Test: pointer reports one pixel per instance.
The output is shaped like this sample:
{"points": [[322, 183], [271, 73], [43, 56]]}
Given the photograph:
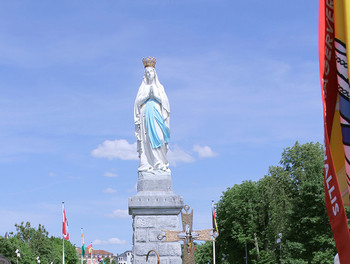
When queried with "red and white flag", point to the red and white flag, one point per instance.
{"points": [[65, 233]]}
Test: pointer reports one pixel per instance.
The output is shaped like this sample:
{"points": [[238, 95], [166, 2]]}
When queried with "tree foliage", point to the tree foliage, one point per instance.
{"points": [[35, 242], [288, 201], [204, 253], [107, 260]]}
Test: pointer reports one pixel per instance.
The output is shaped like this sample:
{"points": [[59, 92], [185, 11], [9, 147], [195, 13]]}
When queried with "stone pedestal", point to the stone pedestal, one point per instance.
{"points": [[153, 209]]}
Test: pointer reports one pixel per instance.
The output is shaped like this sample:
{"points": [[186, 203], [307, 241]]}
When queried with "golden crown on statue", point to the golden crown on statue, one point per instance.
{"points": [[149, 62]]}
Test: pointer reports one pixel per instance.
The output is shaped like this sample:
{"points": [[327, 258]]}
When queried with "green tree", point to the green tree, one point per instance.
{"points": [[70, 253], [9, 246], [34, 242], [107, 260], [289, 200], [275, 208], [56, 253], [308, 225], [36, 239], [204, 253], [238, 211]]}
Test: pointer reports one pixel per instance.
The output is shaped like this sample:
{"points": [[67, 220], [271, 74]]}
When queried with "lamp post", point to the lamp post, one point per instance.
{"points": [[246, 252], [18, 254], [38, 260], [279, 241]]}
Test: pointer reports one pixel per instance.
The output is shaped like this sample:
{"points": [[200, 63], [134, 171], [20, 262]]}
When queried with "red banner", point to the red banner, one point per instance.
{"points": [[334, 157]]}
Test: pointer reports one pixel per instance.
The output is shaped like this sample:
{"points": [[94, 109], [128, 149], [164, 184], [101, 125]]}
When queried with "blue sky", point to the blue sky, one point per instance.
{"points": [[242, 79]]}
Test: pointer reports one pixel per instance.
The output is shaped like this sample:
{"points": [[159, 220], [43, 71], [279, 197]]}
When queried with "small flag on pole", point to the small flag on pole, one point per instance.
{"points": [[215, 225], [89, 247], [65, 224], [100, 259], [82, 244]]}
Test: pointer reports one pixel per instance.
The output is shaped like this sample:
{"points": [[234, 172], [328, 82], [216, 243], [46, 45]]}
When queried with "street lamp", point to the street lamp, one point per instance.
{"points": [[18, 255], [38, 260], [279, 241]]}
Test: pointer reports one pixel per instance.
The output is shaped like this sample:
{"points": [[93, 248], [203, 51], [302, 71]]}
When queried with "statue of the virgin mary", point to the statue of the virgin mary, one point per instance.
{"points": [[151, 116]]}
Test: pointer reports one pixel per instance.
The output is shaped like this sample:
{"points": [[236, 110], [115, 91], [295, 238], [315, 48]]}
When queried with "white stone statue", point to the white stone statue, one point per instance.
{"points": [[151, 116]]}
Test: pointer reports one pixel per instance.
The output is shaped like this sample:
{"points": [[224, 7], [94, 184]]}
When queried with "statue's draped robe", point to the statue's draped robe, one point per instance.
{"points": [[151, 115]]}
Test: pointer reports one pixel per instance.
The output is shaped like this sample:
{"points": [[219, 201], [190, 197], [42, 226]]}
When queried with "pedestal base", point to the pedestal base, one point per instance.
{"points": [[155, 208]]}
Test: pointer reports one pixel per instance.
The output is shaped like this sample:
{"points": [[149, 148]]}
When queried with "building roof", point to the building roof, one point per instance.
{"points": [[124, 254], [95, 252]]}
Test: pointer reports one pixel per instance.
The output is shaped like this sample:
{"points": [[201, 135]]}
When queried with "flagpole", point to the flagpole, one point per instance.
{"points": [[63, 251], [62, 238], [91, 254], [212, 208], [214, 251], [82, 246]]}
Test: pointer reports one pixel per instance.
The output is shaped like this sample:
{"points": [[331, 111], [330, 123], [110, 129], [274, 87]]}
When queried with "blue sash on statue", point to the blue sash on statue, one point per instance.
{"points": [[152, 114]]}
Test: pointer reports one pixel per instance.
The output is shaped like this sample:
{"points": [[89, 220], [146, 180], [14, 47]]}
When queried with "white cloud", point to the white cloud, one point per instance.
{"points": [[52, 174], [178, 155], [116, 149], [110, 174], [119, 213], [122, 149], [115, 240], [109, 190], [112, 240], [204, 152]]}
